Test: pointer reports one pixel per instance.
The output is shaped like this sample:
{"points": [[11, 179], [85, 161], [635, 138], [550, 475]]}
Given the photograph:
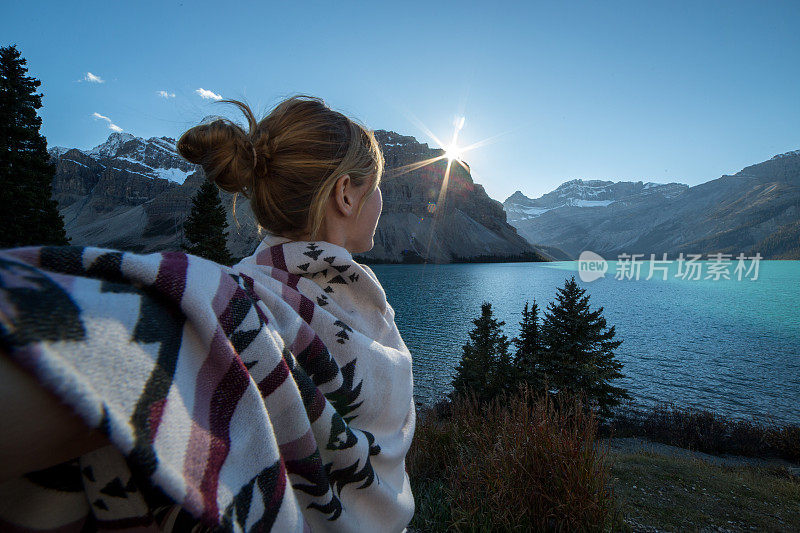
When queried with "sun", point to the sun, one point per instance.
{"points": [[453, 152]]}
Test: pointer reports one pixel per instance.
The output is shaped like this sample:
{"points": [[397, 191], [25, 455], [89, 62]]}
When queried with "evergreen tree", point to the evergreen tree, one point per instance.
{"points": [[206, 226], [484, 364], [579, 352], [28, 214], [504, 377], [527, 358]]}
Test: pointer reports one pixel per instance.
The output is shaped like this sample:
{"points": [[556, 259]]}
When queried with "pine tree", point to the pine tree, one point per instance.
{"points": [[504, 377], [28, 214], [206, 226], [527, 358], [485, 360], [579, 352]]}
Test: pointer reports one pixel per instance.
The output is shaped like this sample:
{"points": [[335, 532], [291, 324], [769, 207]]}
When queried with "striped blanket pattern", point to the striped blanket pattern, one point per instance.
{"points": [[272, 395]]}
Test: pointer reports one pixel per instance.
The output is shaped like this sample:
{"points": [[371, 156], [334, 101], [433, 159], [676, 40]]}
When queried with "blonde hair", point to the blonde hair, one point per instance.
{"points": [[287, 163]]}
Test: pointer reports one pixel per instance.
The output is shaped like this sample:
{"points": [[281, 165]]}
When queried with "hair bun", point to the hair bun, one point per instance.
{"points": [[262, 150], [288, 162], [224, 151]]}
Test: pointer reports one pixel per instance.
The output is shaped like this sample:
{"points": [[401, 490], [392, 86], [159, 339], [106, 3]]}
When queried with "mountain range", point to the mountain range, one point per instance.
{"points": [[754, 210], [134, 194]]}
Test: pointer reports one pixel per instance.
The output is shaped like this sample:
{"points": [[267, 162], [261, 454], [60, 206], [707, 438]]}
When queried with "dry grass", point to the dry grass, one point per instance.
{"points": [[517, 464], [663, 493], [708, 432], [522, 464]]}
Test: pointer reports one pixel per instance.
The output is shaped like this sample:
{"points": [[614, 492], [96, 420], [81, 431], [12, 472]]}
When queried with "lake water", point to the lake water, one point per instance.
{"points": [[728, 345]]}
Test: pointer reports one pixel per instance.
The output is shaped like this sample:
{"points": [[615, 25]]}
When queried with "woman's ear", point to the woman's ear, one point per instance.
{"points": [[343, 195]]}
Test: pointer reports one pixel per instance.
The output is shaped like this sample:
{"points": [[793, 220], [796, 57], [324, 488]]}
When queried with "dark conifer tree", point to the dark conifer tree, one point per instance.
{"points": [[504, 375], [485, 358], [579, 354], [206, 226], [527, 363], [28, 214]]}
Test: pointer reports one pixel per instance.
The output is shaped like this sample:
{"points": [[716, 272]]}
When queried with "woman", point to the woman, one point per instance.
{"points": [[274, 394]]}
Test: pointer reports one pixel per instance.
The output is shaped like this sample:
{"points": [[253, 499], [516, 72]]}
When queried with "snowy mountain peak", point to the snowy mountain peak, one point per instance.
{"points": [[57, 151], [585, 194], [155, 157], [583, 189], [111, 146], [793, 153]]}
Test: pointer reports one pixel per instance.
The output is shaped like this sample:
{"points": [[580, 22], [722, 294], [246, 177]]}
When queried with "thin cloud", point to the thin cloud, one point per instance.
{"points": [[165, 94], [93, 78], [111, 125], [208, 95]]}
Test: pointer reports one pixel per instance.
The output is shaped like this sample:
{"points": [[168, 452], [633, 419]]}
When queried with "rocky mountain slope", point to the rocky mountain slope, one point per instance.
{"points": [[755, 210], [134, 194], [580, 193], [466, 224]]}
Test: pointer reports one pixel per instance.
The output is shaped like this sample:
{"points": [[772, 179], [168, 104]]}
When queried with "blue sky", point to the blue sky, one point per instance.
{"points": [[652, 91]]}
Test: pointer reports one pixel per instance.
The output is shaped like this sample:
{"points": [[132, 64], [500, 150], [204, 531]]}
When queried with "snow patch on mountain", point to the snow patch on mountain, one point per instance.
{"points": [[173, 174], [177, 175], [532, 211], [164, 143], [130, 160], [76, 162], [577, 202]]}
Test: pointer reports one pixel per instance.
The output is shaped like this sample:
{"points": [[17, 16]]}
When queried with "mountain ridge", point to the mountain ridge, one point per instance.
{"points": [[134, 193], [755, 210]]}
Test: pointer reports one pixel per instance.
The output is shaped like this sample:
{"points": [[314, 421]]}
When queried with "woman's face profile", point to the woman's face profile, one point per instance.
{"points": [[367, 221], [345, 223]]}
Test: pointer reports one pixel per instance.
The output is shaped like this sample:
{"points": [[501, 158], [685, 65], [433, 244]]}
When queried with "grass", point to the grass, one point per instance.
{"points": [[679, 494], [708, 432], [522, 464], [513, 465]]}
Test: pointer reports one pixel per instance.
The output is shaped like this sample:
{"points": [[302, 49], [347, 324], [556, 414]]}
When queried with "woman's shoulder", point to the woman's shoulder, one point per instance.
{"points": [[369, 271]]}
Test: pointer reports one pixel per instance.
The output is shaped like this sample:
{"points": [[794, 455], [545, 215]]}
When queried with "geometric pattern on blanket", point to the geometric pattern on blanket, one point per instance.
{"points": [[274, 394]]}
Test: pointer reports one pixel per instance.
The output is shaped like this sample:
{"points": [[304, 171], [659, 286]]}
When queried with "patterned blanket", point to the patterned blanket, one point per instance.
{"points": [[275, 394]]}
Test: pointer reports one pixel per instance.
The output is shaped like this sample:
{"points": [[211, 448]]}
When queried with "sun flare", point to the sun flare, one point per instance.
{"points": [[453, 152]]}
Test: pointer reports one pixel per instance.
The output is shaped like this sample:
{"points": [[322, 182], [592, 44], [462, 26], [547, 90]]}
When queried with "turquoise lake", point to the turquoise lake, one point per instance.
{"points": [[732, 346]]}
